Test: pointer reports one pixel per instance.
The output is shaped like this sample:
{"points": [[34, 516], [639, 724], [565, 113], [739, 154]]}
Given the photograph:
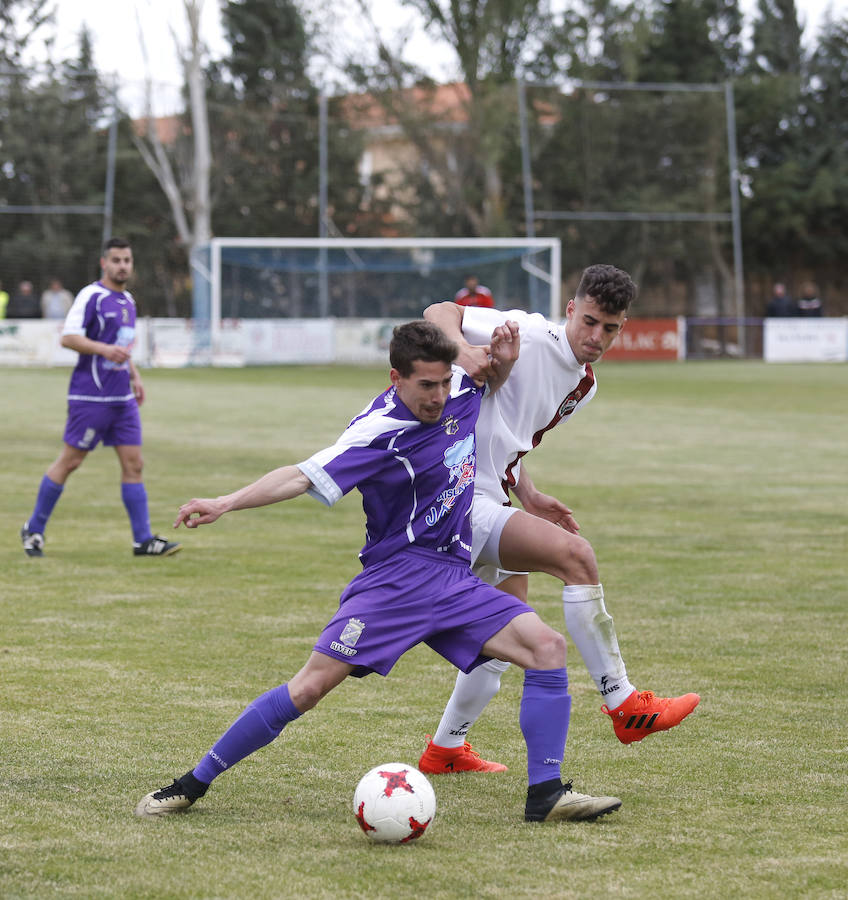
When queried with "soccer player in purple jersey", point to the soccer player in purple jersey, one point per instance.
{"points": [[411, 455], [103, 400]]}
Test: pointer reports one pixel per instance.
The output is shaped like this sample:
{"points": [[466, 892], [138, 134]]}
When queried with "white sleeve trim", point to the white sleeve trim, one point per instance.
{"points": [[323, 489]]}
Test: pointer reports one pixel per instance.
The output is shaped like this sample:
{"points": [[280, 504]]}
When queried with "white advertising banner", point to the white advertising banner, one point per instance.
{"points": [[364, 341], [805, 340], [33, 342], [276, 341]]}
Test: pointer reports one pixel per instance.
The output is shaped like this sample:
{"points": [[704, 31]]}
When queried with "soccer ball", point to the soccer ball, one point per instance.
{"points": [[394, 803]]}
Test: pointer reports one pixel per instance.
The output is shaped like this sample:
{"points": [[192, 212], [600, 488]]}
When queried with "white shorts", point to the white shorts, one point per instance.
{"points": [[488, 518]]}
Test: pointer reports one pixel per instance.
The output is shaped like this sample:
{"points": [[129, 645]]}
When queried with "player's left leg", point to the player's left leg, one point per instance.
{"points": [[532, 543], [258, 725], [544, 719], [449, 751], [134, 496]]}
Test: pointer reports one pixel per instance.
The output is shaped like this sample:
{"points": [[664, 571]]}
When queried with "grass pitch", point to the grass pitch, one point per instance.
{"points": [[715, 497]]}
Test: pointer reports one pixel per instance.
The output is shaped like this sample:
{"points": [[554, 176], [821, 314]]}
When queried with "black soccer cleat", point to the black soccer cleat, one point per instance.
{"points": [[553, 801], [33, 541], [156, 546]]}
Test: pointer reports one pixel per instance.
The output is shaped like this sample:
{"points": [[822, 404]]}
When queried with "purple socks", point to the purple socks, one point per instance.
{"points": [[48, 495], [544, 715], [257, 726], [135, 501]]}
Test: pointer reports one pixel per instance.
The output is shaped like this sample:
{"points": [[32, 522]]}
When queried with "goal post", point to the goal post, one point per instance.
{"points": [[364, 278]]}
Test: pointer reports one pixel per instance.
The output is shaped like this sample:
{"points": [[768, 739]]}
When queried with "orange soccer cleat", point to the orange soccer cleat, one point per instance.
{"points": [[437, 760], [642, 714]]}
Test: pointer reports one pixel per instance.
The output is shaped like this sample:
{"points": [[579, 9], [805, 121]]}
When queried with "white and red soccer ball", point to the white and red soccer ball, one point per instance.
{"points": [[394, 803]]}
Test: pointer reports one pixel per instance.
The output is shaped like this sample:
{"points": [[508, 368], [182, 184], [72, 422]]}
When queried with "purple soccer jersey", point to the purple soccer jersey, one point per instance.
{"points": [[415, 479], [108, 316]]}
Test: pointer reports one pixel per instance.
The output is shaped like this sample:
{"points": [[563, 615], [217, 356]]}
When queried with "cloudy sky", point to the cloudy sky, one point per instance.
{"points": [[116, 27]]}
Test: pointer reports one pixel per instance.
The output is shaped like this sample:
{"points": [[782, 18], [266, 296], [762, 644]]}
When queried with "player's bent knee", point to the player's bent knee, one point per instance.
{"points": [[550, 651], [580, 566]]}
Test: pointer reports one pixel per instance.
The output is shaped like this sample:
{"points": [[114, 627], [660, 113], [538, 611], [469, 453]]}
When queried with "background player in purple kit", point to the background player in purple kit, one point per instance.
{"points": [[411, 454], [103, 399]]}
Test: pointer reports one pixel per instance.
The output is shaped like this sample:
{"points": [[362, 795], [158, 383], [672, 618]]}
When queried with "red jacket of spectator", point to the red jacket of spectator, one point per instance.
{"points": [[478, 296]]}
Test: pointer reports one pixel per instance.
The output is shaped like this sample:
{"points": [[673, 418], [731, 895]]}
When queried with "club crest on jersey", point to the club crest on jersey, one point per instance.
{"points": [[351, 632], [459, 459], [567, 405], [450, 425]]}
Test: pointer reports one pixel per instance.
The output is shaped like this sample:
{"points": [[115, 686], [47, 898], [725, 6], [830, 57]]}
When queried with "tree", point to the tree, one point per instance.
{"points": [[187, 187], [824, 156], [53, 157], [465, 175]]}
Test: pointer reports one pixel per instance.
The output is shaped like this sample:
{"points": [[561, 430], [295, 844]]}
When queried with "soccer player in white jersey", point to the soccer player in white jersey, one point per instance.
{"points": [[551, 380]]}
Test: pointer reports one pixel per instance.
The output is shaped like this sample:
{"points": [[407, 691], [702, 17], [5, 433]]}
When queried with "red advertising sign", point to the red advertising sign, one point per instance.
{"points": [[648, 339]]}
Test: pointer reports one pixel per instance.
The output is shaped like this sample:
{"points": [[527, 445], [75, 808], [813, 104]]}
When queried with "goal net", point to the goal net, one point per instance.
{"points": [[242, 282]]}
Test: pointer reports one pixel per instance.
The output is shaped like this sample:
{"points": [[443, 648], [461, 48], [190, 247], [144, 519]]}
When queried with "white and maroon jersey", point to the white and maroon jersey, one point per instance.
{"points": [[415, 479], [545, 387], [108, 316]]}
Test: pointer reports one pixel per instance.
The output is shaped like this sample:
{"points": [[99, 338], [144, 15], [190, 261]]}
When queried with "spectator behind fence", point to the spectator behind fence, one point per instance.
{"points": [[56, 300], [780, 305], [809, 303], [474, 294], [24, 304], [4, 301]]}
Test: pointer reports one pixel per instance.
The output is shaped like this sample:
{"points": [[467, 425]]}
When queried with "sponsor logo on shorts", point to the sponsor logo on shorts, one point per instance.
{"points": [[351, 632], [340, 648], [86, 439]]}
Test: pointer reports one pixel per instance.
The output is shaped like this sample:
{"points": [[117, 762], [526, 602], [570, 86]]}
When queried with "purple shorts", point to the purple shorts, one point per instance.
{"points": [[116, 424], [417, 596]]}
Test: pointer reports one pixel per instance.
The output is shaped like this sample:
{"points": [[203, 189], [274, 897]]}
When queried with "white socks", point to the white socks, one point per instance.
{"points": [[592, 631], [470, 696]]}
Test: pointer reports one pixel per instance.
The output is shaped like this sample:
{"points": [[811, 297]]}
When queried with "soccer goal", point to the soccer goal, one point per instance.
{"points": [[298, 279]]}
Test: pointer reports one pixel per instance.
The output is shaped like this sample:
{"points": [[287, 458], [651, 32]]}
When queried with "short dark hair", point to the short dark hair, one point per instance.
{"points": [[419, 340], [611, 288], [115, 243]]}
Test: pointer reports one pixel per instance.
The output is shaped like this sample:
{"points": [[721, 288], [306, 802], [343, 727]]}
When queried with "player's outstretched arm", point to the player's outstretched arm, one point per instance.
{"points": [[504, 349], [543, 505], [284, 483], [473, 358]]}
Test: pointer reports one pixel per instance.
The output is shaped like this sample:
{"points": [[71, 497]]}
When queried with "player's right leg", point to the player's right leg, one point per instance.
{"points": [[532, 543], [258, 725], [49, 491], [544, 719]]}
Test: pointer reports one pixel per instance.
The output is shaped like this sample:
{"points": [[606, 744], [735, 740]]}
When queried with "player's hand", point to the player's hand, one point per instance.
{"points": [[137, 389], [116, 354], [505, 345], [198, 512], [476, 361], [546, 507]]}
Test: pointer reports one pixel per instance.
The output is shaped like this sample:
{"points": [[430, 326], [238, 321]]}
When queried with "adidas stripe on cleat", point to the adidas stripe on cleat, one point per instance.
{"points": [[436, 760], [642, 713]]}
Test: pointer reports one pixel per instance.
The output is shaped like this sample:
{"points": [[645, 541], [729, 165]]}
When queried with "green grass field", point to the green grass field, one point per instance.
{"points": [[715, 497]]}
